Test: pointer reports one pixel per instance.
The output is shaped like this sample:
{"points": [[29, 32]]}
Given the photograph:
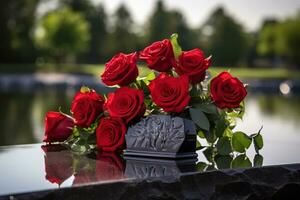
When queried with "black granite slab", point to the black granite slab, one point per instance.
{"points": [[272, 182], [53, 172]]}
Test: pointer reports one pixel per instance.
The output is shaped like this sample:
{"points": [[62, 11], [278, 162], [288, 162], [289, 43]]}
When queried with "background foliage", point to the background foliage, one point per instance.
{"points": [[94, 36]]}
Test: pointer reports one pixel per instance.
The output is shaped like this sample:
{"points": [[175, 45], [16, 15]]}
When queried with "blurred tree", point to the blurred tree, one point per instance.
{"points": [[225, 39], [96, 17], [281, 39], [158, 27], [16, 25], [63, 34], [288, 41], [163, 23], [122, 38], [267, 39]]}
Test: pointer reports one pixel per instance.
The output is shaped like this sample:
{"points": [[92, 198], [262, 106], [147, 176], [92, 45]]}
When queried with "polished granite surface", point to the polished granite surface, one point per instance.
{"points": [[36, 167]]}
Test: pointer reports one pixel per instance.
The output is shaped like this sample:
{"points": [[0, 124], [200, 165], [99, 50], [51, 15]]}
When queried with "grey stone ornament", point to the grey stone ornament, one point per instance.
{"points": [[162, 136]]}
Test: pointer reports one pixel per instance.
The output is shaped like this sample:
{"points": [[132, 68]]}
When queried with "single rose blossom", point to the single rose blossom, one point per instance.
{"points": [[227, 91], [170, 93], [159, 56], [58, 127], [110, 134], [126, 103], [194, 64], [86, 107], [120, 70], [58, 163]]}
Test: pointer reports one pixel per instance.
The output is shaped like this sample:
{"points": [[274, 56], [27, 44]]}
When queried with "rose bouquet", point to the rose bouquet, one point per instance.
{"points": [[178, 85]]}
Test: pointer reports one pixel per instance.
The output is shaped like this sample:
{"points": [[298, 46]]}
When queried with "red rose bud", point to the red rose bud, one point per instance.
{"points": [[170, 93], [126, 103], [194, 64], [227, 91], [58, 127], [86, 106], [159, 56], [110, 134], [58, 163], [120, 70]]}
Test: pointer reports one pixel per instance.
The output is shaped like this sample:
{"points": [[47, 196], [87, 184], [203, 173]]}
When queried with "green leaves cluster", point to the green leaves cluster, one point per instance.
{"points": [[216, 127], [83, 140]]}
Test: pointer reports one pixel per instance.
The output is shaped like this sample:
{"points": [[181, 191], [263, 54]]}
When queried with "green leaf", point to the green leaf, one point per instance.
{"points": [[85, 89], [224, 146], [210, 136], [220, 127], [199, 118], [144, 87], [258, 160], [201, 166], [151, 76], [176, 48], [228, 133], [198, 145], [223, 162], [258, 142], [240, 142], [207, 107], [241, 161], [209, 153], [201, 134], [242, 110]]}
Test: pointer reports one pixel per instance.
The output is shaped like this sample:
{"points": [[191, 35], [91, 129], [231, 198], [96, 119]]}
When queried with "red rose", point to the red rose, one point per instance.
{"points": [[58, 127], [58, 163], [126, 103], [120, 70], [194, 64], [86, 107], [159, 56], [110, 134], [227, 91], [170, 93]]}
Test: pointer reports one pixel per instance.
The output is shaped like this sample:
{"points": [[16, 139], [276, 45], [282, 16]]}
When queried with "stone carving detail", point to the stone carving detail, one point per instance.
{"points": [[158, 133]]}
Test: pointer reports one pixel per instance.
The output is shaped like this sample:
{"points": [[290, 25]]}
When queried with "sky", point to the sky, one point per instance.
{"points": [[249, 13]]}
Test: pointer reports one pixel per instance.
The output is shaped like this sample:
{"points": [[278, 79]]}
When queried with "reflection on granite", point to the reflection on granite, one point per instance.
{"points": [[58, 163], [274, 182], [53, 172], [157, 168], [106, 167]]}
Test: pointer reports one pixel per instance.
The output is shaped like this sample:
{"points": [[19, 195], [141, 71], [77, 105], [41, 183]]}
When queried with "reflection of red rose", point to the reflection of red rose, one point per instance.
{"points": [[170, 93], [86, 107], [109, 166], [58, 127], [227, 91], [194, 64], [126, 103], [159, 56], [58, 163], [110, 134], [120, 70]]}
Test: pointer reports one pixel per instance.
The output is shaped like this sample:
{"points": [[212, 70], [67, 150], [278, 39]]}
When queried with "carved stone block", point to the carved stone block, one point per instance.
{"points": [[162, 136]]}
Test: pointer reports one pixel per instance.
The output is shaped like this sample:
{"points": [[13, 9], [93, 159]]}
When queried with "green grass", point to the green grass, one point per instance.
{"points": [[243, 73]]}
